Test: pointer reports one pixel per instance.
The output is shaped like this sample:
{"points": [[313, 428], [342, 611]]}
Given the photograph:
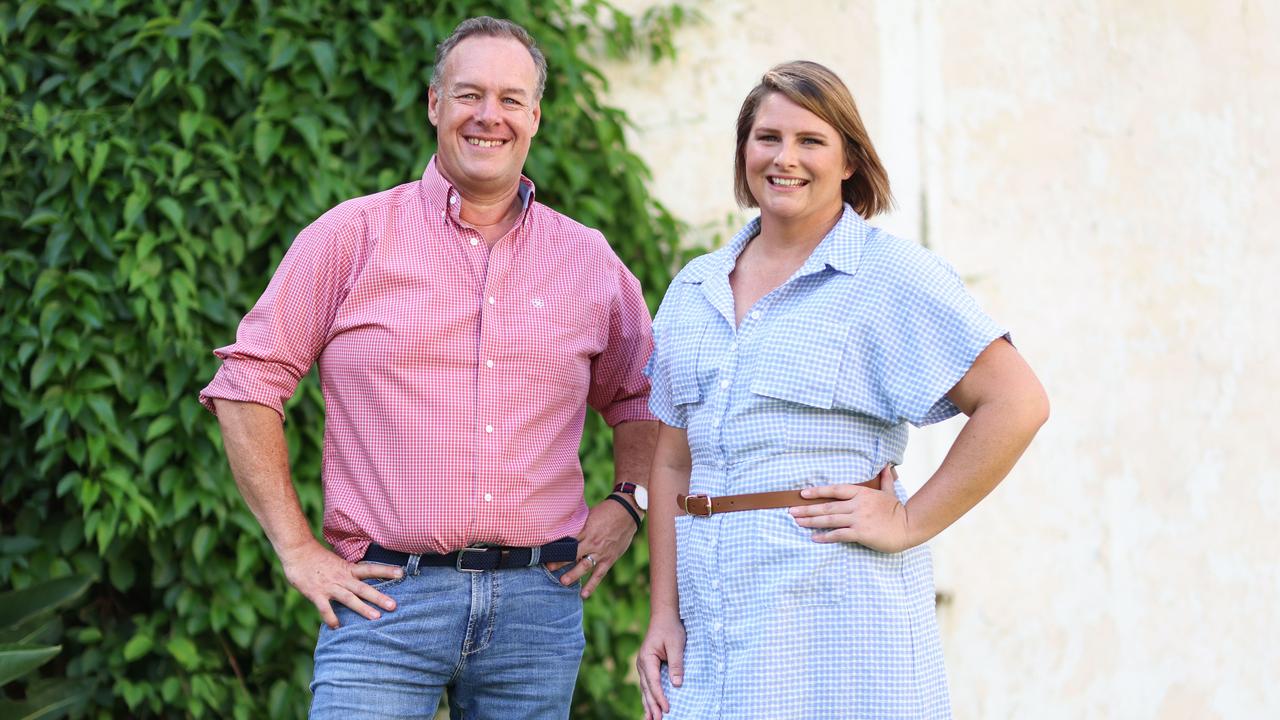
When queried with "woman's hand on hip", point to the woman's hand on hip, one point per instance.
{"points": [[858, 514], [664, 643]]}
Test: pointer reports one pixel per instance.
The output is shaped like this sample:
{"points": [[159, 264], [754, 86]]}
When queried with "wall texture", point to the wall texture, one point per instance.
{"points": [[1104, 174]]}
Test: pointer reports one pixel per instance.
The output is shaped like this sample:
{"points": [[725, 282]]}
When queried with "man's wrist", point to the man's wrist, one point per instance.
{"points": [[627, 505]]}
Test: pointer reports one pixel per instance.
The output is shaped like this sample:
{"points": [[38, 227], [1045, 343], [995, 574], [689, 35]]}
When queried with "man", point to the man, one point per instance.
{"points": [[460, 328]]}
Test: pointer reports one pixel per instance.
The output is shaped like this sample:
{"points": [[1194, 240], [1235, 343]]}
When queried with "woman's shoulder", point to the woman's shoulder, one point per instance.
{"points": [[906, 261]]}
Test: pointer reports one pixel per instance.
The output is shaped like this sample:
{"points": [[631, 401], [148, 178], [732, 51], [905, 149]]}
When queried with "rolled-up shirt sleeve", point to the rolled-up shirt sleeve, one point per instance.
{"points": [[281, 337], [619, 389]]}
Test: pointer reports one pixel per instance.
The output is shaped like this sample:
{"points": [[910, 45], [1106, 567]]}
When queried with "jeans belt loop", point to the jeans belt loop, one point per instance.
{"points": [[534, 554], [412, 567]]}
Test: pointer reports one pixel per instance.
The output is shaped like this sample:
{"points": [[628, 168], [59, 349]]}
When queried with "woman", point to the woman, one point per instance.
{"points": [[787, 366]]}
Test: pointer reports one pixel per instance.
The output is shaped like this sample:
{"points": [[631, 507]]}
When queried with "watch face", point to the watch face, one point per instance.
{"points": [[642, 498]]}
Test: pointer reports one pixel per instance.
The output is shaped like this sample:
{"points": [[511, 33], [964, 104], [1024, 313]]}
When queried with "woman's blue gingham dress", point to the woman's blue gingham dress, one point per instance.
{"points": [[815, 387]]}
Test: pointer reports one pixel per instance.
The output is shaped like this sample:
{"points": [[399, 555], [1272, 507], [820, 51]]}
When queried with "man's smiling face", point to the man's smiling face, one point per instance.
{"points": [[485, 114]]}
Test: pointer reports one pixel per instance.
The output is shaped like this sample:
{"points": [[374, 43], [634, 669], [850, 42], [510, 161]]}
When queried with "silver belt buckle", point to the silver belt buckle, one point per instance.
{"points": [[463, 553]]}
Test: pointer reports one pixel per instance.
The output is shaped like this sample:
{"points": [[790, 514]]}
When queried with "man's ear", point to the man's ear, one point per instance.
{"points": [[537, 118], [433, 109]]}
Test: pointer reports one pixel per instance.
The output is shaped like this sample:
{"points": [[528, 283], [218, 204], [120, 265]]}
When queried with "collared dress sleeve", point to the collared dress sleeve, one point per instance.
{"points": [[667, 393], [927, 333], [280, 338]]}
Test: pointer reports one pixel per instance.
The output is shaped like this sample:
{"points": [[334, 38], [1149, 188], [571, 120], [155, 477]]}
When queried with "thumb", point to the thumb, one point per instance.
{"points": [[887, 476], [675, 663]]}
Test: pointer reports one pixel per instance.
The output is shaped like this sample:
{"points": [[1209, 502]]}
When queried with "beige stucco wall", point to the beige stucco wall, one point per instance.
{"points": [[1105, 174]]}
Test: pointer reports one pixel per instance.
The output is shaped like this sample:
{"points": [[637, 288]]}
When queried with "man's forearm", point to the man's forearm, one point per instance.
{"points": [[633, 444], [253, 436]]}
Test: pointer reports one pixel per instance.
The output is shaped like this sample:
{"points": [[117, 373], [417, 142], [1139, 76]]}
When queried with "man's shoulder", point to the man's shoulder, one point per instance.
{"points": [[358, 209], [549, 220]]}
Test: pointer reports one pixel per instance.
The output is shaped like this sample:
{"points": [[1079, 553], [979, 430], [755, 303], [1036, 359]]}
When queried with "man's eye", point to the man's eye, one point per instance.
{"points": [[510, 101], [468, 96]]}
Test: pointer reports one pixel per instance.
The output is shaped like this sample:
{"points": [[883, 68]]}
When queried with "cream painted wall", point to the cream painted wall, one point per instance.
{"points": [[1105, 174]]}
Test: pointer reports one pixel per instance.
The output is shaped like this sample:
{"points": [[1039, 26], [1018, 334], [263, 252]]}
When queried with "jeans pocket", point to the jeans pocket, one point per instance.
{"points": [[555, 575], [384, 584]]}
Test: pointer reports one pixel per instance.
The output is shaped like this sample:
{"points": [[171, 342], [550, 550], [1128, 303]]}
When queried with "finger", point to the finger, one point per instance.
{"points": [[842, 535], [597, 574], [888, 476], [327, 615], [366, 570], [348, 598], [842, 520], [554, 566], [653, 682], [582, 567], [831, 508], [645, 698], [842, 491], [370, 595]]}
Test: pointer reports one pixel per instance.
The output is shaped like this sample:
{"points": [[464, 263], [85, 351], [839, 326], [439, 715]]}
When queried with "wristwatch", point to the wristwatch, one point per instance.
{"points": [[636, 491]]}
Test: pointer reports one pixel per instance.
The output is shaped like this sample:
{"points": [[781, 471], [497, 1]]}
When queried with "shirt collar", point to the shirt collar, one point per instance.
{"points": [[439, 192], [839, 250]]}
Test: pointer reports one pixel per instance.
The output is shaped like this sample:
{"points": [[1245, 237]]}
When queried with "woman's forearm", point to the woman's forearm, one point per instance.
{"points": [[670, 476]]}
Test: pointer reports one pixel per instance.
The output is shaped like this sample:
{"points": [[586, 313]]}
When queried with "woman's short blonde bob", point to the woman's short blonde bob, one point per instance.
{"points": [[818, 90]]}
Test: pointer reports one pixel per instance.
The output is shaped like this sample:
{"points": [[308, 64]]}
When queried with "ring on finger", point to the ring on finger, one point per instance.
{"points": [[591, 559]]}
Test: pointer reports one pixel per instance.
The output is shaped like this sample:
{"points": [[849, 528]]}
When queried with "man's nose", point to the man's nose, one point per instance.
{"points": [[487, 111]]}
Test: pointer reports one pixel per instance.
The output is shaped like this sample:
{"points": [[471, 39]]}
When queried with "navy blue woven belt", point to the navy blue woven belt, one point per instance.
{"points": [[480, 558]]}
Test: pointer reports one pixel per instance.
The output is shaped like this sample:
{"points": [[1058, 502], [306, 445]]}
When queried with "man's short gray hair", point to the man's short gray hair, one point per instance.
{"points": [[485, 26]]}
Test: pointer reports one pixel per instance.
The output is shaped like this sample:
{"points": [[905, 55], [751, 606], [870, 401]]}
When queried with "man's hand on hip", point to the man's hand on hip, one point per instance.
{"points": [[605, 537], [322, 576]]}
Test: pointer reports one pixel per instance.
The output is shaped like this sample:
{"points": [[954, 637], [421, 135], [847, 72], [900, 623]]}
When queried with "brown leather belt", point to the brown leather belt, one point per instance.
{"points": [[704, 505]]}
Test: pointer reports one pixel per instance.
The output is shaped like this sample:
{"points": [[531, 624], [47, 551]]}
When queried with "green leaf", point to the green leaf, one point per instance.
{"points": [[171, 210], [202, 543], [309, 127], [188, 123], [322, 53], [137, 646], [184, 651], [17, 606], [40, 216], [18, 660], [266, 138]]}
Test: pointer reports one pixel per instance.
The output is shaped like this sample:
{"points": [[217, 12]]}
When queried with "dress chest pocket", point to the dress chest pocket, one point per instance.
{"points": [[800, 363]]}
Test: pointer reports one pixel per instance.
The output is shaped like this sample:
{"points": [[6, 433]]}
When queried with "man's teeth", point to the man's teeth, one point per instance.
{"points": [[485, 143], [786, 182]]}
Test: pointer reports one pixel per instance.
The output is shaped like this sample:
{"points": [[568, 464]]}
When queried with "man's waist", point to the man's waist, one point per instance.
{"points": [[478, 558]]}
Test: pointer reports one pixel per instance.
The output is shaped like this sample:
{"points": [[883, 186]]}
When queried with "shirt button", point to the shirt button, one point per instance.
{"points": [[488, 363], [755, 314], [733, 346], [475, 241], [453, 200], [492, 300], [488, 428], [719, 626], [724, 384], [715, 584], [488, 497]]}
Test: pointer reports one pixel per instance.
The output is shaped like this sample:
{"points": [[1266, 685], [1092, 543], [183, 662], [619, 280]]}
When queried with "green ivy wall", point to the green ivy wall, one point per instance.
{"points": [[156, 159]]}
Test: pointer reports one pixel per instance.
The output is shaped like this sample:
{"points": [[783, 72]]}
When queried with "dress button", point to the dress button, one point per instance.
{"points": [[755, 314], [488, 428], [488, 497], [475, 241], [488, 363]]}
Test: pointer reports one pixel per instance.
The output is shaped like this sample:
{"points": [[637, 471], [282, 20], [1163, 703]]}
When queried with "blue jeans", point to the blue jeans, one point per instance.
{"points": [[506, 644]]}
